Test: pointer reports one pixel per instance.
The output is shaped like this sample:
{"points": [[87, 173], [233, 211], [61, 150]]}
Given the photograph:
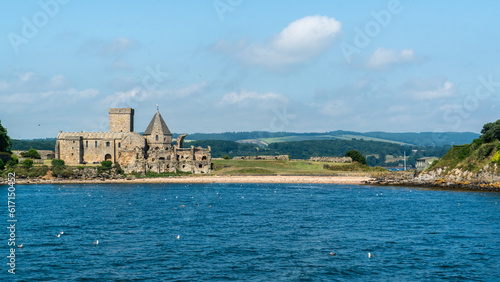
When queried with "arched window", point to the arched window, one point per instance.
{"points": [[108, 144], [156, 137], [107, 157], [96, 144]]}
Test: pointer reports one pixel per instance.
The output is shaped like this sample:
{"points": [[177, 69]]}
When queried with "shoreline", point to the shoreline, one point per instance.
{"points": [[353, 180]]}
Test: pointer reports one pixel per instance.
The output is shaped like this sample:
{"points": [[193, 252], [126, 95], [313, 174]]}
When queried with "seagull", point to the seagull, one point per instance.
{"points": [[58, 235], [333, 254], [20, 246], [370, 255], [62, 233], [96, 242], [177, 236]]}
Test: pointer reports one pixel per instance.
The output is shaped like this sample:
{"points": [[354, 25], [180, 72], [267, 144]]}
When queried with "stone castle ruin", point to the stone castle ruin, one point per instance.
{"points": [[150, 152]]}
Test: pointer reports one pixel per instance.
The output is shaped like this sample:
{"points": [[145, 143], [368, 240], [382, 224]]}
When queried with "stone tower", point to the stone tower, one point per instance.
{"points": [[121, 120], [157, 134]]}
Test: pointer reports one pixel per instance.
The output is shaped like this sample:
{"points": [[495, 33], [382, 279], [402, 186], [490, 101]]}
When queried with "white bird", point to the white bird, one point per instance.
{"points": [[370, 255], [62, 233], [177, 236], [20, 246], [96, 242], [58, 235]]}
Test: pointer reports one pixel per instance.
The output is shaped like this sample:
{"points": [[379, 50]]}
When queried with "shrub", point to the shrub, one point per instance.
{"points": [[28, 163], [119, 169], [464, 152], [226, 157], [12, 162], [2, 165], [57, 163], [107, 164], [496, 158], [34, 154], [356, 156]]}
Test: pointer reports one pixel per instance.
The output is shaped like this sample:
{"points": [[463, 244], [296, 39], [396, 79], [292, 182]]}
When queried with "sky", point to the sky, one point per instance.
{"points": [[240, 65]]}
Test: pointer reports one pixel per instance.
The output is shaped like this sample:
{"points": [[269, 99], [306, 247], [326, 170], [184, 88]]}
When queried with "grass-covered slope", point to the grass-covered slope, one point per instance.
{"points": [[471, 157]]}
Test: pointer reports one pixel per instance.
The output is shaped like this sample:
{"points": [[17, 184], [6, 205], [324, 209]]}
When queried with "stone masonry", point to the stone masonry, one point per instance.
{"points": [[153, 151]]}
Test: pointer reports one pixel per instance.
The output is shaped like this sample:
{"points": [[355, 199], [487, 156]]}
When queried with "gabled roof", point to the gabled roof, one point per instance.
{"points": [[157, 120]]}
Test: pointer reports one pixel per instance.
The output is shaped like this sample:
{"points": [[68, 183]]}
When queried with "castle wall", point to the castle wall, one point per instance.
{"points": [[70, 149], [121, 120], [134, 153]]}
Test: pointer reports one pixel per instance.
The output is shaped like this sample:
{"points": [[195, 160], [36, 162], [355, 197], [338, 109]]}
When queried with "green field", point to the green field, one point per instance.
{"points": [[326, 137], [264, 167]]}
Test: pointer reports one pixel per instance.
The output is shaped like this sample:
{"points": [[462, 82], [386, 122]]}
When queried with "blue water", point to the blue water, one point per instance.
{"points": [[258, 232]]}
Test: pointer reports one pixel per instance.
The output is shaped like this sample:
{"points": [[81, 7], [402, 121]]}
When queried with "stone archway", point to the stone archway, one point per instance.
{"points": [[107, 157]]}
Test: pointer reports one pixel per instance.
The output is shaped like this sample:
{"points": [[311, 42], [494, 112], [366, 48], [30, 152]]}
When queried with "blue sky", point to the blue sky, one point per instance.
{"points": [[241, 65]]}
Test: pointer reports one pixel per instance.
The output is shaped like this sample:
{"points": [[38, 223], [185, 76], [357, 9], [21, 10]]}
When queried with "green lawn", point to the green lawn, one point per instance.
{"points": [[228, 167]]}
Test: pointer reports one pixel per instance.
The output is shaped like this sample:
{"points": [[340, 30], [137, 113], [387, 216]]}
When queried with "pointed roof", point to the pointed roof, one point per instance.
{"points": [[157, 119]]}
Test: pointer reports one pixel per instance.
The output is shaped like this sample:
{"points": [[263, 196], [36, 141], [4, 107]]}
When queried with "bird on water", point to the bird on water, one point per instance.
{"points": [[370, 255], [96, 242]]}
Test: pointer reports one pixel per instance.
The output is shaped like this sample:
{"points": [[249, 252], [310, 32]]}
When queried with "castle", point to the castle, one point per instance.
{"points": [[150, 152]]}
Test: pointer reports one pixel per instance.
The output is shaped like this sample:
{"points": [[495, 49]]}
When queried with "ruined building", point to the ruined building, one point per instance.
{"points": [[152, 151]]}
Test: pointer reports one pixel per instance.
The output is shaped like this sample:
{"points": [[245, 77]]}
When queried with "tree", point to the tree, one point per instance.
{"points": [[5, 142], [2, 165], [491, 131], [32, 153], [356, 156], [27, 163]]}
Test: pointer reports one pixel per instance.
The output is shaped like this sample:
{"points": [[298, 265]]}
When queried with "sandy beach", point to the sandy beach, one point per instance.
{"points": [[217, 179]]}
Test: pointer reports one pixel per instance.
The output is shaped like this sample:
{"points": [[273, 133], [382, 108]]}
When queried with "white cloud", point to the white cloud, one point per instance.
{"points": [[247, 98], [87, 93], [121, 65], [191, 89], [442, 91], [301, 41], [384, 58], [117, 46]]}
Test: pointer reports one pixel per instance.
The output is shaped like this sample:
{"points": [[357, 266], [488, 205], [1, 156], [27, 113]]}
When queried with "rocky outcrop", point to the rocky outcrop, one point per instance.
{"points": [[486, 179]]}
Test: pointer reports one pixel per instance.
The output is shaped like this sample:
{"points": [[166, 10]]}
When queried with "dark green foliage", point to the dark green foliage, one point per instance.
{"points": [[226, 157], [5, 157], [356, 156], [107, 164], [119, 169], [491, 131], [13, 162], [59, 169], [27, 163], [222, 148], [477, 143], [464, 152], [32, 153], [485, 151], [39, 144], [5, 142], [57, 163], [2, 165]]}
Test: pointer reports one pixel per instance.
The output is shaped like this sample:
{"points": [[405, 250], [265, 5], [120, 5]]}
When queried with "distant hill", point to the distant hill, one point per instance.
{"points": [[406, 138], [263, 138]]}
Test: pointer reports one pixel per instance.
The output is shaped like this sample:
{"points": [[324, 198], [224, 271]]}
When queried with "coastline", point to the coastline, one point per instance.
{"points": [[310, 179]]}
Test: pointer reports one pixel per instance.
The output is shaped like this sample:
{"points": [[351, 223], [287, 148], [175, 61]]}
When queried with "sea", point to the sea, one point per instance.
{"points": [[249, 232]]}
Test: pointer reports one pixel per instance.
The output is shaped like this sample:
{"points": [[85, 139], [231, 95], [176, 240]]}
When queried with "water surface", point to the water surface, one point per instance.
{"points": [[252, 232]]}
